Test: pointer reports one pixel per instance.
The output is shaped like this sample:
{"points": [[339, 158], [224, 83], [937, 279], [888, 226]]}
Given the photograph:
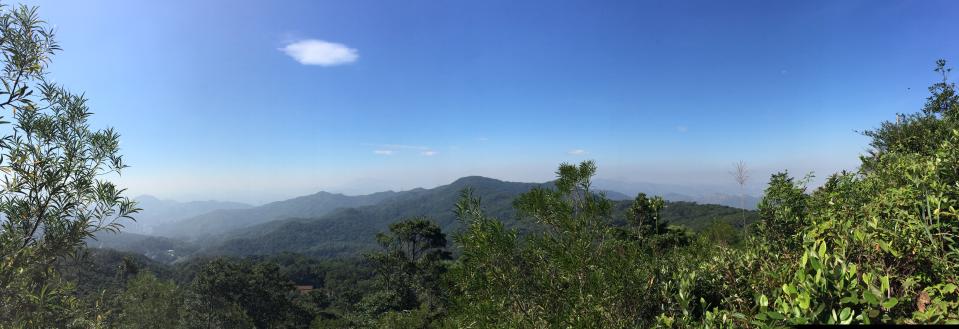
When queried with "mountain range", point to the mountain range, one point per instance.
{"points": [[333, 225], [156, 212], [225, 220], [703, 194]]}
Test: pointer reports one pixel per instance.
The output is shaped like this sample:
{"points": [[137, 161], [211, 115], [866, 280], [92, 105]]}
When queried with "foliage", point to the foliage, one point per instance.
{"points": [[148, 302], [54, 192], [231, 294], [873, 246], [408, 272], [577, 272]]}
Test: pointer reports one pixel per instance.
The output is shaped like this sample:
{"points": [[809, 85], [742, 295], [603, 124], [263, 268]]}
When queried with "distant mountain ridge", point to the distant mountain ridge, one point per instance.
{"points": [[348, 231], [156, 212], [224, 220], [333, 225], [215, 223], [700, 194]]}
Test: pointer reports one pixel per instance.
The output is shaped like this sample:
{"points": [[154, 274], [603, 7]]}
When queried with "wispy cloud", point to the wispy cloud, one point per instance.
{"points": [[391, 149], [399, 146], [403, 146], [577, 152], [319, 52], [682, 129]]}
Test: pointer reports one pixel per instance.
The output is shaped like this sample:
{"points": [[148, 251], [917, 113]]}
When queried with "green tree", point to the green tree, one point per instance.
{"points": [[409, 268], [644, 214], [241, 294], [783, 210], [573, 273], [149, 302], [55, 191]]}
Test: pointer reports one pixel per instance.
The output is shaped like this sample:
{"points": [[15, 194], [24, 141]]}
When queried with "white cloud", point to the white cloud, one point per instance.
{"points": [[391, 149], [319, 52], [577, 152], [398, 146], [402, 146]]}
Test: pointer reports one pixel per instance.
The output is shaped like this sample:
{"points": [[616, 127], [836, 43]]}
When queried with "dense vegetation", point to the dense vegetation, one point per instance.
{"points": [[875, 245]]}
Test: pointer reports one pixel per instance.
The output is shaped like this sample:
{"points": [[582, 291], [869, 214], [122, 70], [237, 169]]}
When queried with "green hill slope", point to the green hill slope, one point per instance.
{"points": [[347, 232], [309, 206]]}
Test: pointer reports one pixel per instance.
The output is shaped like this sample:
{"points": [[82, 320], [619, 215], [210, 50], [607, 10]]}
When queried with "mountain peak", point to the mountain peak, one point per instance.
{"points": [[146, 197], [474, 180]]}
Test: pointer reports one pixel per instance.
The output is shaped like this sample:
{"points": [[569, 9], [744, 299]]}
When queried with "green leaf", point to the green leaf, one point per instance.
{"points": [[845, 316], [803, 300], [775, 315], [763, 301], [870, 297], [789, 289], [948, 288], [849, 300], [816, 265], [890, 303], [888, 248]]}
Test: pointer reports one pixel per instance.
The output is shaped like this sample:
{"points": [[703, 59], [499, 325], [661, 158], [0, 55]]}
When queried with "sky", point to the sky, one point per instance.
{"points": [[260, 101]]}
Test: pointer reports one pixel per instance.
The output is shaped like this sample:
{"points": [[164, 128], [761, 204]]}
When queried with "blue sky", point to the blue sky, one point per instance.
{"points": [[400, 94]]}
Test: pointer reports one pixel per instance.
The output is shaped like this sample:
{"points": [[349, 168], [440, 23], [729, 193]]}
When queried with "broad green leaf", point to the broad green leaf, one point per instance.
{"points": [[890, 303], [870, 297], [845, 316]]}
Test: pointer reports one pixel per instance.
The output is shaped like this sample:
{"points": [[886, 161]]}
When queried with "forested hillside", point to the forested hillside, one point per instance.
{"points": [[219, 221], [352, 231], [154, 247], [349, 232]]}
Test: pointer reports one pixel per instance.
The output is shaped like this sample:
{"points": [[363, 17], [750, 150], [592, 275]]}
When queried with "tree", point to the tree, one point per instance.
{"points": [[408, 268], [55, 191], [241, 294], [921, 132], [644, 215], [944, 100], [783, 210], [572, 273], [149, 302]]}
